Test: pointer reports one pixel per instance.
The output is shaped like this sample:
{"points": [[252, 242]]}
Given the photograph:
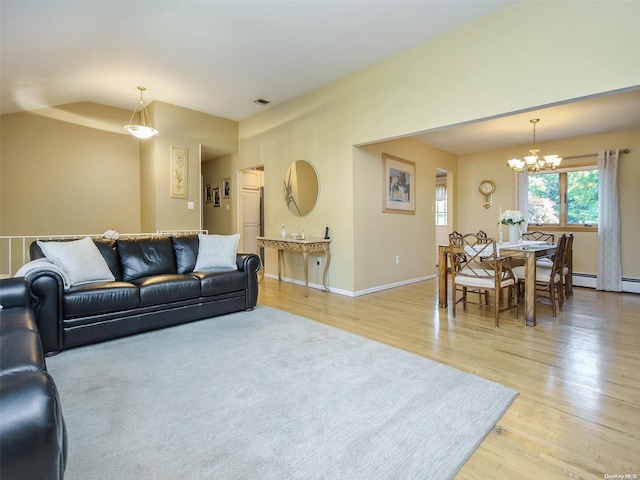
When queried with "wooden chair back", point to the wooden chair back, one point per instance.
{"points": [[539, 236]]}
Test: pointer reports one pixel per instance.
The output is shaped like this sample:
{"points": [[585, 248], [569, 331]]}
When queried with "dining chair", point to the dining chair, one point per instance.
{"points": [[567, 280], [482, 270], [548, 280], [456, 239], [567, 267], [539, 236], [482, 234]]}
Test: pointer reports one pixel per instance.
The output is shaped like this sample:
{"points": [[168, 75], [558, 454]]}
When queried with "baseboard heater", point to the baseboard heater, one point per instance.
{"points": [[629, 285]]}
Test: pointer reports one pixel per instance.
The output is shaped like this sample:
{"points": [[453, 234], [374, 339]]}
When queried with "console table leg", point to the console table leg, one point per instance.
{"points": [[305, 262], [327, 260]]}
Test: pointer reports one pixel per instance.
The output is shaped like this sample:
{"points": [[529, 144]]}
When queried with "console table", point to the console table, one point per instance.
{"points": [[304, 247]]}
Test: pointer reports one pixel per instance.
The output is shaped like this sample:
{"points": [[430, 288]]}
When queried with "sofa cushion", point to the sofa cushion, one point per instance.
{"points": [[144, 257], [79, 259], [186, 250], [98, 298], [217, 251], [218, 281], [160, 289], [107, 248]]}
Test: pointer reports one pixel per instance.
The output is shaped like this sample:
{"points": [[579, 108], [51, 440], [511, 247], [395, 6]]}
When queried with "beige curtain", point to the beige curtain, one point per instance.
{"points": [[609, 265]]}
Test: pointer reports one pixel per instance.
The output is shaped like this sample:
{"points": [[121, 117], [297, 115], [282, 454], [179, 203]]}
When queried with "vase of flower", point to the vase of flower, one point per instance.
{"points": [[512, 219]]}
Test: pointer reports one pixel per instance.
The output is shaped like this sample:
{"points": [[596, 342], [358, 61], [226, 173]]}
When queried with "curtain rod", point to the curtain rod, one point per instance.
{"points": [[626, 150]]}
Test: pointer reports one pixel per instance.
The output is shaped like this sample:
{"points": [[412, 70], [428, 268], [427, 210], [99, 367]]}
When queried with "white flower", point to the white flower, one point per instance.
{"points": [[511, 217], [111, 234]]}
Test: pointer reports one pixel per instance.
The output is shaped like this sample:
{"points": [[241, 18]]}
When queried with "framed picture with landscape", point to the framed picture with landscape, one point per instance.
{"points": [[399, 180]]}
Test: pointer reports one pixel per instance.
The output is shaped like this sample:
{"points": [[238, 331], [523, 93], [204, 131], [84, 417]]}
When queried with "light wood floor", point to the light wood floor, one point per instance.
{"points": [[578, 375]]}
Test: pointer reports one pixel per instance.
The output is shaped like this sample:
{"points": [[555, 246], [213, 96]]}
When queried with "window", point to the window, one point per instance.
{"points": [[441, 204], [567, 197]]}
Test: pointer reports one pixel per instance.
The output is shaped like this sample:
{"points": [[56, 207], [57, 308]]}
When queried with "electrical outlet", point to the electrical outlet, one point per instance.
{"points": [[318, 261], [397, 259]]}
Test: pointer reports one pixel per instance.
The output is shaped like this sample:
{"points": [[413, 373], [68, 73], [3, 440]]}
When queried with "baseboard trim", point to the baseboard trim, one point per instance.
{"points": [[392, 285], [349, 293], [588, 280]]}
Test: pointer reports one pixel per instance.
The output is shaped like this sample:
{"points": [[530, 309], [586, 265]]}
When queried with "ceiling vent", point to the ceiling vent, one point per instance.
{"points": [[262, 101]]}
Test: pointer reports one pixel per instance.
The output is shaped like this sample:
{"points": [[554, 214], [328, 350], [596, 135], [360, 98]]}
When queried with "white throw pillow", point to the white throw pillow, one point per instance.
{"points": [[79, 259], [217, 251]]}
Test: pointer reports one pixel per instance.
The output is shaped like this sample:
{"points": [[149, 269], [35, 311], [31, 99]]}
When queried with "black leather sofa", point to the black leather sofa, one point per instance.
{"points": [[155, 286], [33, 436]]}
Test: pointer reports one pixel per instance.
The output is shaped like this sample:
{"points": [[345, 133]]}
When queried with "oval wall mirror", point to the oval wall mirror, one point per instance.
{"points": [[301, 187]]}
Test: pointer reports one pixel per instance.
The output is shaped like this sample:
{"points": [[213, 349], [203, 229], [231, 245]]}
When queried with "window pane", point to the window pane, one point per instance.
{"points": [[582, 197], [544, 198], [441, 205]]}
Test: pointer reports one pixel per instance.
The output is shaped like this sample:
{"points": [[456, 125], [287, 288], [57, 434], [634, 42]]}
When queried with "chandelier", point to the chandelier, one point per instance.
{"points": [[534, 163], [143, 130]]}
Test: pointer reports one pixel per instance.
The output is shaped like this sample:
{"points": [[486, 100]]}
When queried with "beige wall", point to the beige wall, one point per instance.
{"points": [[492, 165], [220, 220], [189, 129], [379, 236], [491, 67], [72, 169]]}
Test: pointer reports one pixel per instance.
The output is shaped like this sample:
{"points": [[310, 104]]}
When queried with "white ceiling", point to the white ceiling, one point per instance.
{"points": [[218, 56], [212, 56]]}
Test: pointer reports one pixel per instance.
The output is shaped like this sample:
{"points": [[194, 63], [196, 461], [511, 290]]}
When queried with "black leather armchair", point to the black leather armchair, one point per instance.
{"points": [[33, 437]]}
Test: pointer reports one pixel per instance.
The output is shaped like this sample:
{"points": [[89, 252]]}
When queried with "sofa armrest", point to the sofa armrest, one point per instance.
{"points": [[47, 289], [14, 292], [250, 264], [33, 436]]}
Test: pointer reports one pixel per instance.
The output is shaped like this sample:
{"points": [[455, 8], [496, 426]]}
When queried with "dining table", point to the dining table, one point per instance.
{"points": [[529, 250]]}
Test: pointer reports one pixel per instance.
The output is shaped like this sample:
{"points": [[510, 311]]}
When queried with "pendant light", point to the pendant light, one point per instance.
{"points": [[142, 130]]}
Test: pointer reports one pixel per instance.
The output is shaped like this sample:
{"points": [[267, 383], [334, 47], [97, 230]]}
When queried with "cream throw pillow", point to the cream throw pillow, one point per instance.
{"points": [[79, 259], [217, 251]]}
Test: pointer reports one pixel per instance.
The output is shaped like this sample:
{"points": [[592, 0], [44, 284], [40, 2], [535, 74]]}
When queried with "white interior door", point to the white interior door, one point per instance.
{"points": [[251, 191]]}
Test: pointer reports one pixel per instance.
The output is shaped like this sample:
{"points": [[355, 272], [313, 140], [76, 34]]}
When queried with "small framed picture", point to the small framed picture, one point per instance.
{"points": [[226, 188], [216, 197], [208, 198]]}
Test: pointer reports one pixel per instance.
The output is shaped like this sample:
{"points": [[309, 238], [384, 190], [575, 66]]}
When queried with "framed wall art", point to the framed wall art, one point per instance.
{"points": [[179, 172], [399, 177], [207, 194], [216, 197], [226, 188]]}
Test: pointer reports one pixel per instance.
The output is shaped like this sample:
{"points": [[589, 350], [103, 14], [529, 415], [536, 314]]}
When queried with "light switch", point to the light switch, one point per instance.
{"points": [[191, 205]]}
